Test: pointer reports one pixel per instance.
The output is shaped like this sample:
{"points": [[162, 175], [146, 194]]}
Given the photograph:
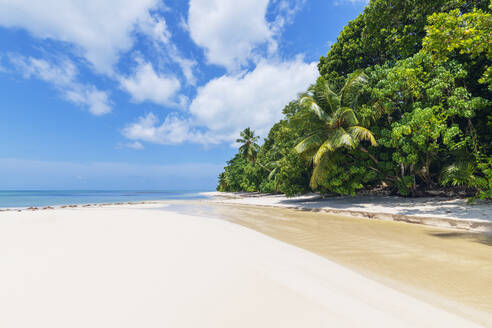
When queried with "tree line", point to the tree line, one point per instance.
{"points": [[402, 104]]}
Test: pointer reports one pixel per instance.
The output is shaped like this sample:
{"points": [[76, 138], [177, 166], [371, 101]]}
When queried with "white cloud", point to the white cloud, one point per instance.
{"points": [[173, 130], [101, 30], [97, 101], [228, 104], [63, 77], [147, 85], [231, 103], [231, 32], [228, 30], [285, 11], [187, 66], [156, 28]]}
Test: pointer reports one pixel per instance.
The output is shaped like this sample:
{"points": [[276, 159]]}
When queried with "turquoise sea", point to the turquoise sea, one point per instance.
{"points": [[27, 198]]}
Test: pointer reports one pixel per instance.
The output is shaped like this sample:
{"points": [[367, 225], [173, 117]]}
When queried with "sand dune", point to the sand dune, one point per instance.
{"points": [[143, 267]]}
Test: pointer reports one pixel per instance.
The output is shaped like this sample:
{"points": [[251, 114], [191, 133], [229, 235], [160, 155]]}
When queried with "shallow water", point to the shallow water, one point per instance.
{"points": [[26, 198]]}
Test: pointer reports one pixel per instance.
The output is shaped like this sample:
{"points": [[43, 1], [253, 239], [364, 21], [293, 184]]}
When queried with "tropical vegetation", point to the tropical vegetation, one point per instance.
{"points": [[403, 104]]}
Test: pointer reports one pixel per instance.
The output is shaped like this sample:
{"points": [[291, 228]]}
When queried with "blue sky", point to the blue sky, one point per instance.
{"points": [[149, 94]]}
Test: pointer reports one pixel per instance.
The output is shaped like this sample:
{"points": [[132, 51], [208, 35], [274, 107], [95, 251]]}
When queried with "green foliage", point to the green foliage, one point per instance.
{"points": [[467, 39], [387, 31], [468, 34], [429, 114], [240, 175], [289, 172], [293, 175], [344, 172], [249, 147], [459, 174], [277, 168], [338, 128], [485, 182], [416, 76]]}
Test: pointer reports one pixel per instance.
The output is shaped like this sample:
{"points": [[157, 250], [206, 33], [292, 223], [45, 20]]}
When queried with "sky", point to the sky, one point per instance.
{"points": [[149, 94]]}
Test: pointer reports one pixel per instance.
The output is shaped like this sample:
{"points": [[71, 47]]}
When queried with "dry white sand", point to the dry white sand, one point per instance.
{"points": [[142, 267], [436, 211]]}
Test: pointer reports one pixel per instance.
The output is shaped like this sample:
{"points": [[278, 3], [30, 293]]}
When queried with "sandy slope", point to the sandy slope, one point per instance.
{"points": [[449, 268], [142, 267]]}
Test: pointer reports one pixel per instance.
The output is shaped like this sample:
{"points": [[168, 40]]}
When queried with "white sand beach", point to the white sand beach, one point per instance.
{"points": [[140, 266]]}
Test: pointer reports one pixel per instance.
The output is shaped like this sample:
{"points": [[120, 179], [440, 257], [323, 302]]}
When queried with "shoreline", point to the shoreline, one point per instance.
{"points": [[365, 248], [375, 207], [457, 213], [79, 205], [15, 200]]}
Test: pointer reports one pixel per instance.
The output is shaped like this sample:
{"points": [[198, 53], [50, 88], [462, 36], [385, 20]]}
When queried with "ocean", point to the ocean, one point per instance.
{"points": [[27, 198]]}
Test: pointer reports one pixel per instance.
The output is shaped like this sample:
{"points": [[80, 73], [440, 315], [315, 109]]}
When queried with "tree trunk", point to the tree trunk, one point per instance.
{"points": [[368, 154], [269, 171]]}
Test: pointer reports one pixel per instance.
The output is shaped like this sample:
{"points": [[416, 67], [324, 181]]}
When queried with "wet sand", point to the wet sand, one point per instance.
{"points": [[449, 268]]}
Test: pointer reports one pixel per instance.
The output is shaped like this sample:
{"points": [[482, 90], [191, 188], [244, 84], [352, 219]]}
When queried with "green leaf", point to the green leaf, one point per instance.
{"points": [[360, 133], [311, 142]]}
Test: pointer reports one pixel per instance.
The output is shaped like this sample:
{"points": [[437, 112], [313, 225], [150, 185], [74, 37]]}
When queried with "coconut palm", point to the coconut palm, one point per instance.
{"points": [[340, 128], [249, 147]]}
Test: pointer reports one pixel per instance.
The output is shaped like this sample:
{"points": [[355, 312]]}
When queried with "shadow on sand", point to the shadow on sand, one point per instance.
{"points": [[477, 237]]}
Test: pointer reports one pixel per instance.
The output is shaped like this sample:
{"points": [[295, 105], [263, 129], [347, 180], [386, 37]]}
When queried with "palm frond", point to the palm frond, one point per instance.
{"points": [[310, 103], [309, 143], [325, 97], [459, 174], [272, 173], [325, 148], [243, 149], [341, 138], [378, 110], [249, 148], [346, 116], [351, 90], [360, 133], [319, 173], [247, 134]]}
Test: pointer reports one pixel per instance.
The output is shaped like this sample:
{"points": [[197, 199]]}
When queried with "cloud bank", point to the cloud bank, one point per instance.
{"points": [[241, 36], [63, 76], [99, 30], [230, 103]]}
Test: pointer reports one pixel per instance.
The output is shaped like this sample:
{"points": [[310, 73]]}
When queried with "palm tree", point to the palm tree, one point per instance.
{"points": [[340, 126], [249, 147]]}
